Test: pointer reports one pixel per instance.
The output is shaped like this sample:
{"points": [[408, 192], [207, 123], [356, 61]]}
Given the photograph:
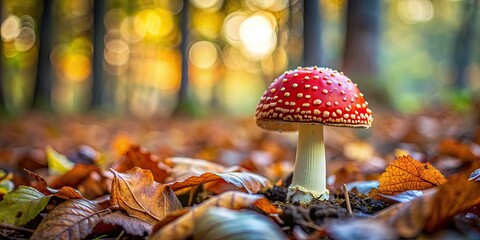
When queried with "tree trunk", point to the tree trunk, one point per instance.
{"points": [[98, 82], [182, 95], [360, 56], [312, 34], [464, 41], [42, 92]]}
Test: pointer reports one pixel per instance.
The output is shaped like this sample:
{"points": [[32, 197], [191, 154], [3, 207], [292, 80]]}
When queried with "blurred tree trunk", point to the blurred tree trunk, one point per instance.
{"points": [[312, 33], [98, 84], [464, 41], [43, 85], [360, 55], [3, 107], [182, 95]]}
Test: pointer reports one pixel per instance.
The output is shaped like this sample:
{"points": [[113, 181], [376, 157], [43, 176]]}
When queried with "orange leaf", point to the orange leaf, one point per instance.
{"points": [[406, 173], [137, 157], [248, 181], [75, 176], [182, 227], [140, 196]]}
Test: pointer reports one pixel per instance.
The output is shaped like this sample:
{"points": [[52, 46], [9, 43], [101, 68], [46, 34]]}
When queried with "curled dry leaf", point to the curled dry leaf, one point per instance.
{"points": [[75, 176], [183, 227], [131, 225], [64, 192], [72, 219], [248, 181], [22, 205], [137, 157], [140, 196], [406, 173], [182, 168]]}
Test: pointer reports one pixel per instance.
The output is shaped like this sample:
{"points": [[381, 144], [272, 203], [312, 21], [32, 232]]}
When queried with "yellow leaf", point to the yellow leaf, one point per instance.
{"points": [[57, 163], [406, 173]]}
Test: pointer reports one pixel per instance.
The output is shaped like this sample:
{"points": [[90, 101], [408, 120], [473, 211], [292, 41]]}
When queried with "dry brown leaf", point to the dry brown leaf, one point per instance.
{"points": [[75, 176], [137, 157], [248, 181], [64, 192], [456, 149], [406, 173], [436, 206], [408, 218], [455, 196], [131, 225], [183, 227], [72, 219], [140, 196]]}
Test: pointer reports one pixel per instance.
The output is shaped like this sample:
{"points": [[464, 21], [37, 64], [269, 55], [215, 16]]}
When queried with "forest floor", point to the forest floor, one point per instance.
{"points": [[81, 177]]}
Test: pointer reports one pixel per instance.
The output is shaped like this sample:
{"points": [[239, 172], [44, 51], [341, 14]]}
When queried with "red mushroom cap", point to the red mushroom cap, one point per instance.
{"points": [[312, 96]]}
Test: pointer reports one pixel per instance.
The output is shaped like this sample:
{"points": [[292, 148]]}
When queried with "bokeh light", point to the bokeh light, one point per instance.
{"points": [[10, 28], [258, 35], [203, 54], [415, 11]]}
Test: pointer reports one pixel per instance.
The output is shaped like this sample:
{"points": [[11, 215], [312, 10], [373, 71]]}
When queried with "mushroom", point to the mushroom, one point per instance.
{"points": [[305, 99]]}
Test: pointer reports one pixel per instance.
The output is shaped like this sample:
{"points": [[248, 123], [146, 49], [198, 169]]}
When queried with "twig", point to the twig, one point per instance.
{"points": [[347, 199], [15, 228]]}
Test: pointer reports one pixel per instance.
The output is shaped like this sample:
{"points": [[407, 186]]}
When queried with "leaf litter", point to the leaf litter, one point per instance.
{"points": [[151, 192]]}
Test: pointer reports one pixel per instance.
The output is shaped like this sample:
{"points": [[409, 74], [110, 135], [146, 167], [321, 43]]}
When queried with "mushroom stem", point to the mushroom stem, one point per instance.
{"points": [[309, 175]]}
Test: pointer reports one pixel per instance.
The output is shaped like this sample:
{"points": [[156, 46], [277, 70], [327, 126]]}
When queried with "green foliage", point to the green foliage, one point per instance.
{"points": [[22, 205], [57, 163]]}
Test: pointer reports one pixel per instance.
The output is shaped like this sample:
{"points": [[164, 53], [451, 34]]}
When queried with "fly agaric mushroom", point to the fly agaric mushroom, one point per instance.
{"points": [[305, 99]]}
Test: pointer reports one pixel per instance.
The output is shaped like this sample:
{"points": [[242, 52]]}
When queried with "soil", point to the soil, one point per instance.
{"points": [[311, 217]]}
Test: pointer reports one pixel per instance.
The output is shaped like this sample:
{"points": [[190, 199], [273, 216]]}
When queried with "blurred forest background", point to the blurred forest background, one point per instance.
{"points": [[201, 57]]}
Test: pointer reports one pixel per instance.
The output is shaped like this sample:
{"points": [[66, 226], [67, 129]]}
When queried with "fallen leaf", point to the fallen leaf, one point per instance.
{"points": [[57, 163], [5, 184], [182, 168], [408, 218], [137, 157], [219, 223], [475, 176], [454, 148], [140, 196], [251, 182], [403, 196], [22, 205], [455, 196], [131, 225], [406, 173], [72, 219], [359, 229], [183, 226], [74, 176], [64, 192], [434, 208]]}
